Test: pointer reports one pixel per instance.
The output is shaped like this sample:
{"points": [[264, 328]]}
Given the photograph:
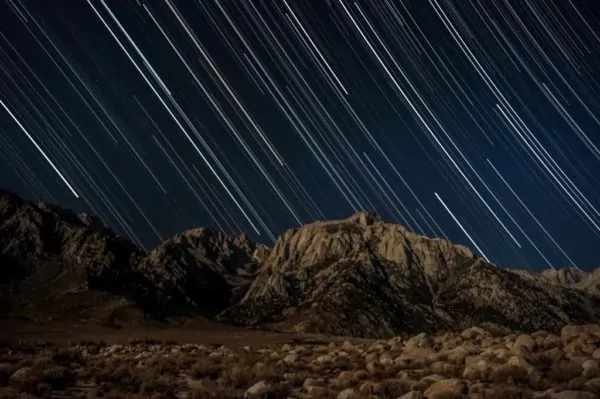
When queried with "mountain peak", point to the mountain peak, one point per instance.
{"points": [[365, 218], [362, 276], [356, 276]]}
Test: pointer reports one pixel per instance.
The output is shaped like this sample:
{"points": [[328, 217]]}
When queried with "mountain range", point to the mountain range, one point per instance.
{"points": [[358, 276]]}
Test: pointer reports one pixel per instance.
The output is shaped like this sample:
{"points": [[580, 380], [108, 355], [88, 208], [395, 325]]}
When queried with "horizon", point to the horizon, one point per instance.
{"points": [[272, 244]]}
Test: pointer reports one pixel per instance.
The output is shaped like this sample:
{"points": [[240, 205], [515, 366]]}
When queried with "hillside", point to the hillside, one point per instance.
{"points": [[359, 276], [371, 278]]}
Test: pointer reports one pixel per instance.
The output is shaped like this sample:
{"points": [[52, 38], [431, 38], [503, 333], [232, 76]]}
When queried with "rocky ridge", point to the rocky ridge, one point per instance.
{"points": [[371, 278], [358, 276], [202, 268], [58, 264]]}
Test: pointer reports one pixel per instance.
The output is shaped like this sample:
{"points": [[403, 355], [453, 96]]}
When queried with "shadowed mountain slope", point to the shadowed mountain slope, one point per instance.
{"points": [[358, 276], [55, 263]]}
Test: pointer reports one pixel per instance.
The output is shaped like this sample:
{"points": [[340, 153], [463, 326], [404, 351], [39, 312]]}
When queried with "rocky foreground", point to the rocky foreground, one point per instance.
{"points": [[474, 363]]}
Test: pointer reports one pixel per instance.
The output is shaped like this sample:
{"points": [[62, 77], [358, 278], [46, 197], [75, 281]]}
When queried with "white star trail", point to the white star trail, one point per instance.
{"points": [[259, 116], [461, 226], [52, 165], [422, 120], [531, 214], [216, 72], [177, 122]]}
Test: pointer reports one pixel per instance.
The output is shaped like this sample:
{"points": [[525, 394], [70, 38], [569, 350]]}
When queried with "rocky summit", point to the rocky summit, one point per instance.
{"points": [[357, 277], [364, 277]]}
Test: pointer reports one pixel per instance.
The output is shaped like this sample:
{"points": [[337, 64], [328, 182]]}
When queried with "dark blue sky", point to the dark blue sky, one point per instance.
{"points": [[258, 116]]}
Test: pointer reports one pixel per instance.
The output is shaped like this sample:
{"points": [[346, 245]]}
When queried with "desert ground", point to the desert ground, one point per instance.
{"points": [[210, 360]]}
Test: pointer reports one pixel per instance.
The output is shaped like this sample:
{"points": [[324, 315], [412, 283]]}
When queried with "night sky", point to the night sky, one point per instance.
{"points": [[474, 120]]}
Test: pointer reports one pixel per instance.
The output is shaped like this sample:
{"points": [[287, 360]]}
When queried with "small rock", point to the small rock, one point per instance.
{"points": [[346, 393], [379, 346], [371, 357], [21, 374], [386, 358], [594, 384], [410, 362], [458, 354], [418, 341], [290, 359], [473, 332], [520, 362], [442, 368], [257, 389], [551, 341], [477, 387], [523, 341], [346, 375], [475, 367], [501, 353], [590, 364], [478, 362], [371, 367], [312, 382], [570, 332], [290, 376], [350, 347], [433, 378], [590, 372], [447, 389], [286, 348], [323, 359], [396, 343], [368, 387]]}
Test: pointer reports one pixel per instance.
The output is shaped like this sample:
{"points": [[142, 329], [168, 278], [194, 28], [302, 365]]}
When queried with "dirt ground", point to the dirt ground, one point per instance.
{"points": [[201, 332]]}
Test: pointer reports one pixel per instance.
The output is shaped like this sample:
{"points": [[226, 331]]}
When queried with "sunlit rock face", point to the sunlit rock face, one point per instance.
{"points": [[362, 276]]}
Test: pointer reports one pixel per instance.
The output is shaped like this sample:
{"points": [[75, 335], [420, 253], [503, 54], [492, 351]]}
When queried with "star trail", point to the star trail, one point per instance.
{"points": [[476, 121]]}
